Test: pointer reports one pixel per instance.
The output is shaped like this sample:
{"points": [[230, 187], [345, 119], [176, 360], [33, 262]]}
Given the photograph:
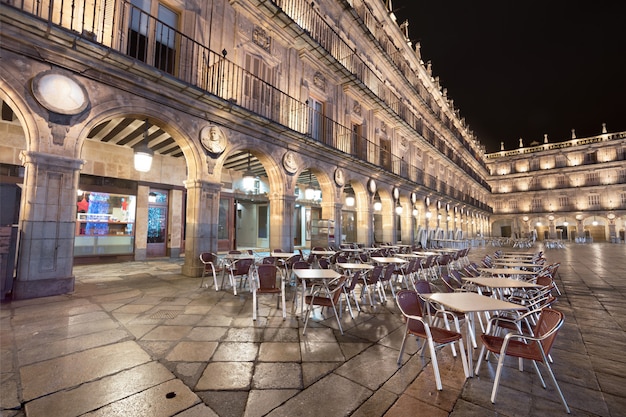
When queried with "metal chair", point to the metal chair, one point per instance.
{"points": [[239, 268], [325, 295], [268, 279], [410, 305], [535, 347], [211, 265]]}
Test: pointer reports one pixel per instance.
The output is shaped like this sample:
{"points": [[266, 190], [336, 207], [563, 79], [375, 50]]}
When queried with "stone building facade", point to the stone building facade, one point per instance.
{"points": [[573, 190], [272, 123]]}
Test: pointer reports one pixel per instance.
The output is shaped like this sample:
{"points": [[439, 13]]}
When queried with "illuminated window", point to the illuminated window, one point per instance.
{"points": [[316, 119]]}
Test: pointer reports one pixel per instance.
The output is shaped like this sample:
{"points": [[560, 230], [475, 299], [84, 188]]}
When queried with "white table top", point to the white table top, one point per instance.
{"points": [[232, 256], [517, 264], [501, 282], [426, 254], [506, 271], [388, 260], [282, 254], [323, 252], [354, 265], [316, 273], [467, 302], [409, 255]]}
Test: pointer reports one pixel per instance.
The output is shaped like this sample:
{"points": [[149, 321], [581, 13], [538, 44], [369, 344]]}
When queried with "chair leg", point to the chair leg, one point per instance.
{"points": [[556, 384], [402, 346], [215, 281], [337, 317], [433, 361], [254, 305], [496, 381], [282, 294]]}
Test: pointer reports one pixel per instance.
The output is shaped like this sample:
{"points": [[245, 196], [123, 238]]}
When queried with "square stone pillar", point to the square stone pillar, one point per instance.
{"points": [[47, 225], [282, 208], [203, 207]]}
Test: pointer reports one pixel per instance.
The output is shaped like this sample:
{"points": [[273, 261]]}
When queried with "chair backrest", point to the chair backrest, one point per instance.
{"points": [[354, 279], [450, 286], [242, 266], [375, 274], [389, 270], [422, 287], [456, 275], [268, 260], [337, 284], [234, 252], [546, 329], [410, 304], [300, 265], [324, 263], [292, 260], [267, 276], [277, 250], [208, 257]]}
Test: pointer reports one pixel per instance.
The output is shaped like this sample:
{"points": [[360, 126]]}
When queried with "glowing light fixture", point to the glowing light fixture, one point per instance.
{"points": [[309, 193], [248, 177], [594, 222], [415, 212], [398, 209], [350, 201], [143, 153]]}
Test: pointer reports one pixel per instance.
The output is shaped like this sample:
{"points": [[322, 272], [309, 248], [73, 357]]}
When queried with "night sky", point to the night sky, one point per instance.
{"points": [[525, 68]]}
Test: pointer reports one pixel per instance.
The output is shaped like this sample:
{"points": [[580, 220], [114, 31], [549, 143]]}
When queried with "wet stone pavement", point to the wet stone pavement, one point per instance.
{"points": [[140, 339]]}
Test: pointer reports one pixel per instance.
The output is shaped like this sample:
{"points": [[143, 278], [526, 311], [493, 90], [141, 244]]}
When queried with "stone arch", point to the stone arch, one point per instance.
{"points": [[185, 138]]}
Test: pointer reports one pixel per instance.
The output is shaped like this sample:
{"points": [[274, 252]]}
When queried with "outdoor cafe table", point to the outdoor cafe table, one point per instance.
{"points": [[470, 303], [501, 284], [313, 275], [514, 264], [507, 271], [323, 252], [282, 254], [357, 266]]}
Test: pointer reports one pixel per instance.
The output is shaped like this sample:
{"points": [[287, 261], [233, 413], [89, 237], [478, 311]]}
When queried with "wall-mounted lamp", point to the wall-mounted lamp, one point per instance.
{"points": [[415, 212], [378, 206], [398, 208], [309, 193], [428, 214], [248, 176], [143, 153], [350, 201]]}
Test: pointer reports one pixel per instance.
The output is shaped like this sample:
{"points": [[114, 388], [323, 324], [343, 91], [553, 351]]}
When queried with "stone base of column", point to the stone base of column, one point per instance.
{"points": [[23, 290]]}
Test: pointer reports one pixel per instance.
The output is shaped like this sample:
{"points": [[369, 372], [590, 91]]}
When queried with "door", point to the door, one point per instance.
{"points": [[157, 223], [226, 225]]}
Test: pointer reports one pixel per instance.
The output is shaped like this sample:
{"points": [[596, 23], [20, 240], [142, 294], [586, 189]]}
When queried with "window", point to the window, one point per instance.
{"points": [[561, 182], [563, 201], [144, 30], [593, 200], [513, 204], [591, 178], [358, 144], [316, 119], [536, 204], [258, 82], [385, 154]]}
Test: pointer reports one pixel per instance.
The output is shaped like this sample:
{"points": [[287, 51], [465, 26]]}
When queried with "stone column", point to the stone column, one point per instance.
{"points": [[364, 219], [141, 227], [47, 225], [175, 223], [203, 206], [332, 211], [282, 207]]}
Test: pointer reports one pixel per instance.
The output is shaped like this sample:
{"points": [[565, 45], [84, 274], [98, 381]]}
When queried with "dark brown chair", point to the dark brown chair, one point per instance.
{"points": [[535, 347], [410, 305], [240, 268], [211, 266], [269, 279], [325, 295]]}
